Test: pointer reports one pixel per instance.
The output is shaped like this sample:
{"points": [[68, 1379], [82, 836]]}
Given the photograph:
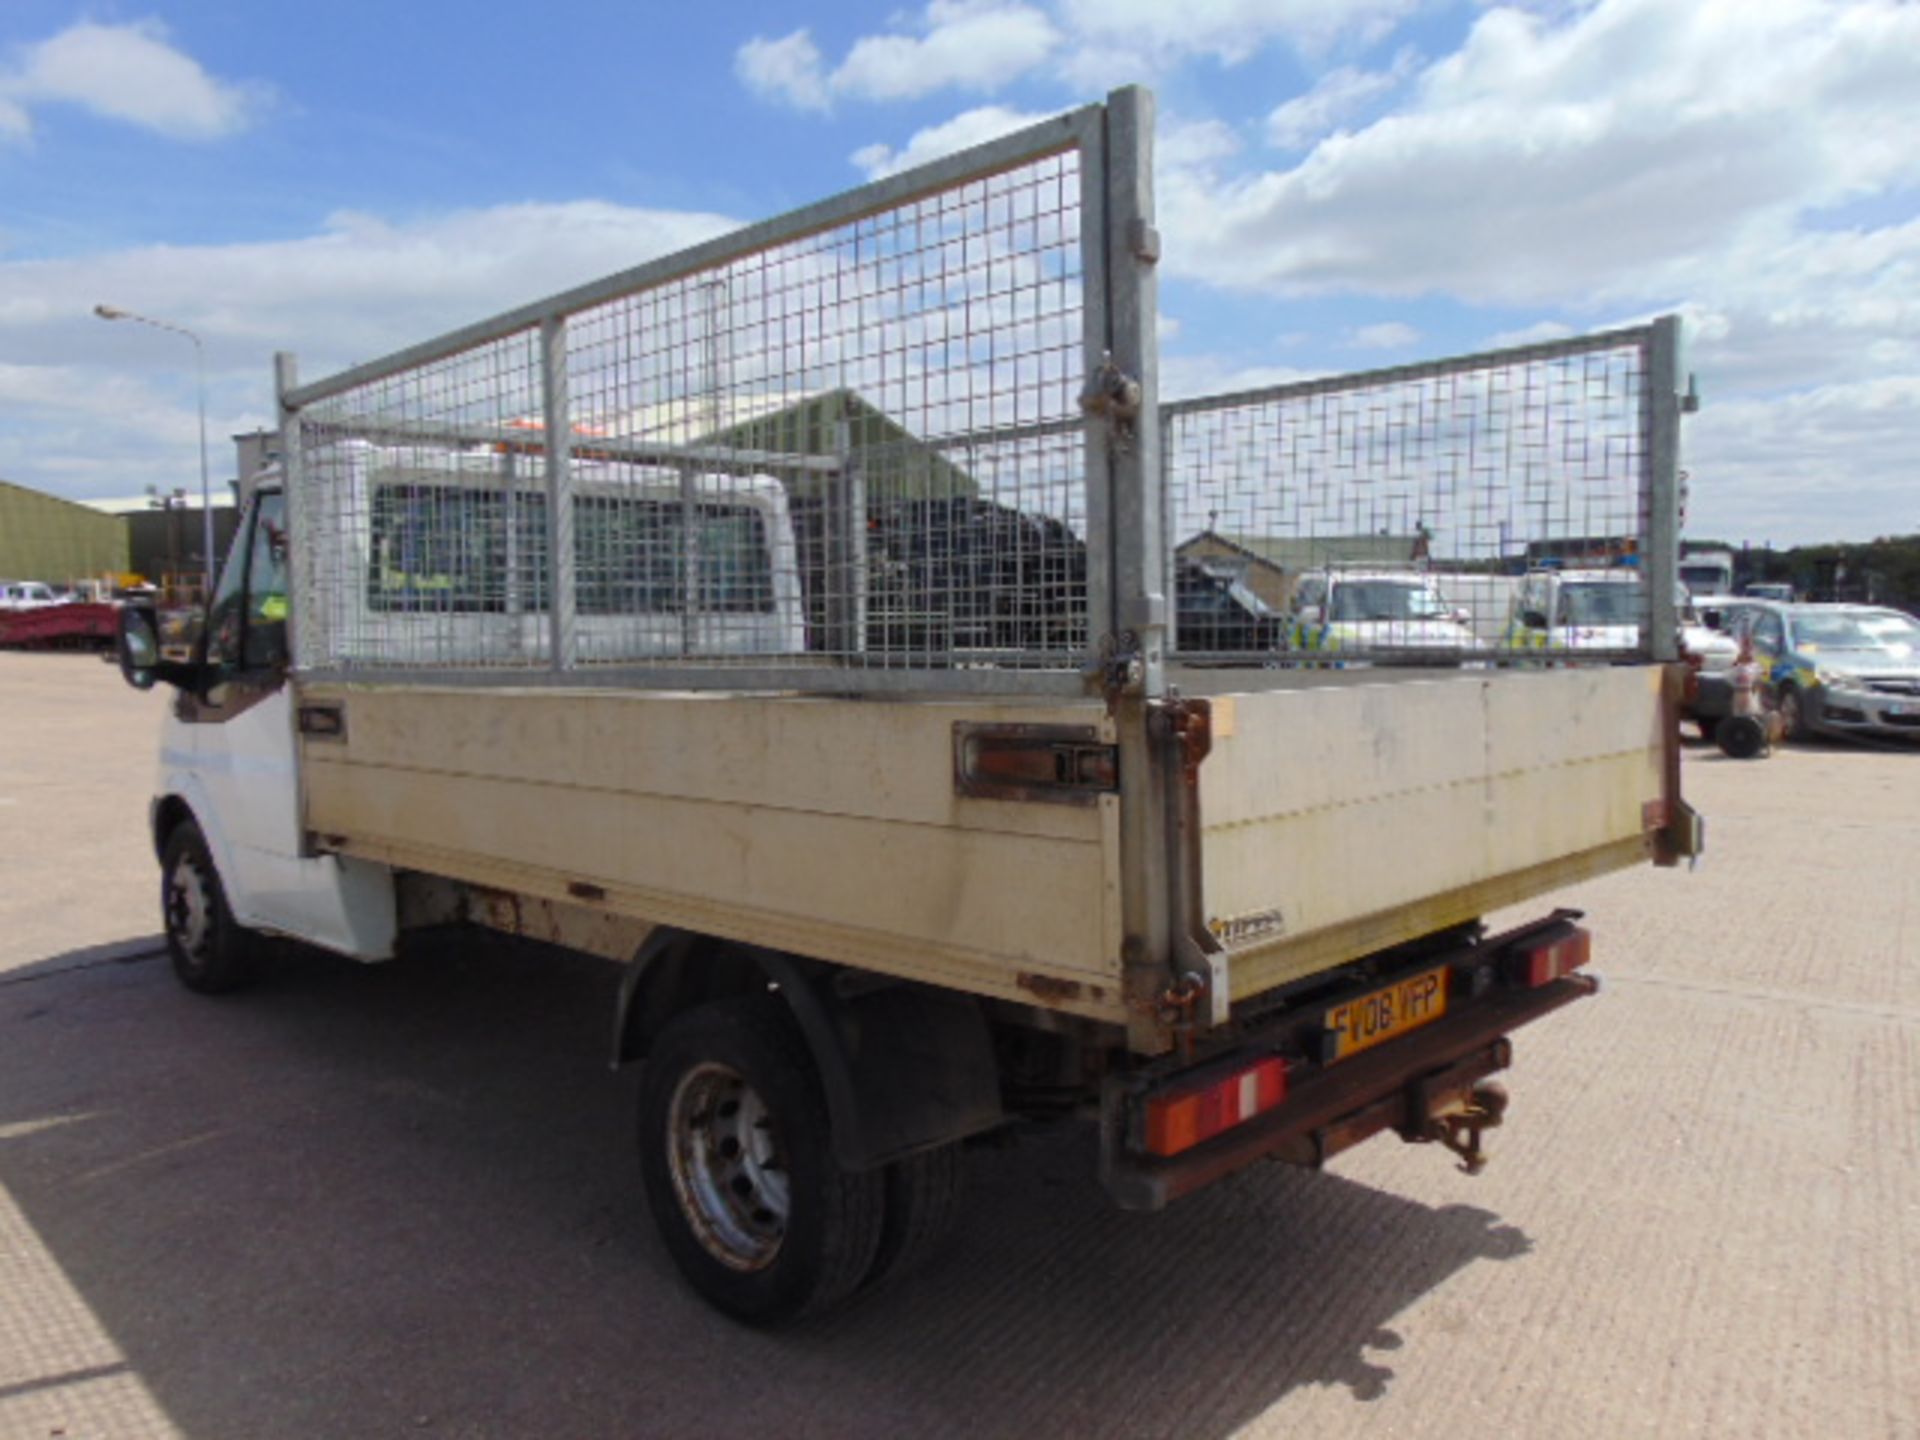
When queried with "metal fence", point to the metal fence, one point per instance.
{"points": [[1501, 507], [830, 451]]}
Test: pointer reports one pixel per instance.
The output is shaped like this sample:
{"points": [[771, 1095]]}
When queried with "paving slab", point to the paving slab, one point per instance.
{"points": [[401, 1199]]}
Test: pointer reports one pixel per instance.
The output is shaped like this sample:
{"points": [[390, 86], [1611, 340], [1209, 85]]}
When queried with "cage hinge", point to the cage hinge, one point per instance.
{"points": [[1114, 396], [1118, 671]]}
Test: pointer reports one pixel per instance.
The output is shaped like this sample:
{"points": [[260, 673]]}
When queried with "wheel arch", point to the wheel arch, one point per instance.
{"points": [[904, 1067], [166, 815], [180, 803]]}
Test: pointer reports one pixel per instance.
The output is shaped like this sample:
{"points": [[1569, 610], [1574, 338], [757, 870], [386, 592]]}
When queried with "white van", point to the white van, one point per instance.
{"points": [[454, 565]]}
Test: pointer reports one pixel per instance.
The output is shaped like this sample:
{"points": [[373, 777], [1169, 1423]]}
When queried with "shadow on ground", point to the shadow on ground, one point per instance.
{"points": [[365, 1201]]}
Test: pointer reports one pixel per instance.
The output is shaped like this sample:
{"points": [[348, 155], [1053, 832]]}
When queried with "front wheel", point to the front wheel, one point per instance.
{"points": [[211, 953], [737, 1157]]}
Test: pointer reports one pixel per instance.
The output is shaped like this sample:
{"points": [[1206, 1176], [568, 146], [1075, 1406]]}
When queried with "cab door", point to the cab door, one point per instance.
{"points": [[245, 762], [1770, 646]]}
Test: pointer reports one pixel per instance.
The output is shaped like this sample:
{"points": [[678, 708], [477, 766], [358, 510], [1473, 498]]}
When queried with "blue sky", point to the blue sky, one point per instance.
{"points": [[1342, 187]]}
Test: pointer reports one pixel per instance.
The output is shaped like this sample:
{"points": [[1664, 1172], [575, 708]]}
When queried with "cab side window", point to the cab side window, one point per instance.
{"points": [[247, 623], [1769, 634], [1534, 601], [265, 642]]}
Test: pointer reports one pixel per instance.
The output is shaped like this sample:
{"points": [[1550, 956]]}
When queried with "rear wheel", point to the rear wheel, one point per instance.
{"points": [[211, 953], [736, 1153], [923, 1205]]}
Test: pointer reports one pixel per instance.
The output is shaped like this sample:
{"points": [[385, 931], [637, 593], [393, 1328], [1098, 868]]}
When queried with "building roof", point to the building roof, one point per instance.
{"points": [[140, 504], [1308, 552], [896, 463]]}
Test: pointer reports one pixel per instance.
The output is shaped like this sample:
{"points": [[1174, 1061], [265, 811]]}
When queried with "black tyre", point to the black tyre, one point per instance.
{"points": [[1793, 714], [211, 954], [737, 1157], [923, 1205], [1742, 737]]}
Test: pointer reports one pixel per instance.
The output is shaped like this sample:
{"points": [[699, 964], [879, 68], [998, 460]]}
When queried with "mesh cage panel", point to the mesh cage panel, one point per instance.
{"points": [[853, 447], [1492, 509]]}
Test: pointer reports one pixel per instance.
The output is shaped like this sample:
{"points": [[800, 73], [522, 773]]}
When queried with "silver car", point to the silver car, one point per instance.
{"points": [[1838, 669]]}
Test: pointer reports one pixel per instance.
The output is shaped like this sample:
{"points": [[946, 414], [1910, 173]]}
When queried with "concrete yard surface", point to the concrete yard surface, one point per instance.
{"points": [[403, 1200]]}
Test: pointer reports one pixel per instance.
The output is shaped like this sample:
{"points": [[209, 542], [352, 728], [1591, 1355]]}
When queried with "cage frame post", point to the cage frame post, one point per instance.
{"points": [[1662, 552]]}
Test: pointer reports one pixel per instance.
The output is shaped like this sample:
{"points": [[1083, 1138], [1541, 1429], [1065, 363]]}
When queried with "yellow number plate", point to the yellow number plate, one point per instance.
{"points": [[1407, 1005]]}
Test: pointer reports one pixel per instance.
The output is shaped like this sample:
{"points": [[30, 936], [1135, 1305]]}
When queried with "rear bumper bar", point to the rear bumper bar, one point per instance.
{"points": [[1401, 1086]]}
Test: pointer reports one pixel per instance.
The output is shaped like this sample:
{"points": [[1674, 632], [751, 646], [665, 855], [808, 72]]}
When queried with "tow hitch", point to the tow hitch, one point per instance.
{"points": [[1460, 1126]]}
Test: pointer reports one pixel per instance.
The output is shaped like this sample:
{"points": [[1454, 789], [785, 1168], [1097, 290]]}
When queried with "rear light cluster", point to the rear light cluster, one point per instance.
{"points": [[1548, 958], [1181, 1117]]}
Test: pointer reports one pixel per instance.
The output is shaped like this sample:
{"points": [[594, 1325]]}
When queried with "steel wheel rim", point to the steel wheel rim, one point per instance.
{"points": [[189, 908], [729, 1170]]}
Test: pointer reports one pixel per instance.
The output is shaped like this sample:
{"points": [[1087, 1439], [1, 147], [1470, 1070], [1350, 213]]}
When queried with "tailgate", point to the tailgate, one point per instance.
{"points": [[1340, 819]]}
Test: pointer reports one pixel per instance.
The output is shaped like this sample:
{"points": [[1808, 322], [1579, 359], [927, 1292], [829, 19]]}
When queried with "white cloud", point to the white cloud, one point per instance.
{"points": [[971, 127], [1540, 333], [93, 409], [968, 45], [1335, 98], [1543, 160], [1183, 144], [1184, 377], [1228, 30], [1389, 335], [125, 72], [788, 69], [1756, 466], [977, 45]]}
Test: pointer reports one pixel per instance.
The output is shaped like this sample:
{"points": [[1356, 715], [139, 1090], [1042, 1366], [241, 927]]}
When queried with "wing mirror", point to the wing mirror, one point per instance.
{"points": [[137, 644]]}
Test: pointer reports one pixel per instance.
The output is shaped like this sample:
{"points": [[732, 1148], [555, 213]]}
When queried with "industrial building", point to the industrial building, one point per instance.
{"points": [[43, 537], [165, 536]]}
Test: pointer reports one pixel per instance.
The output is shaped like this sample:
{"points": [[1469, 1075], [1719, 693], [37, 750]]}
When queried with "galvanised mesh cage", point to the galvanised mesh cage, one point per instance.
{"points": [[844, 442], [1498, 508]]}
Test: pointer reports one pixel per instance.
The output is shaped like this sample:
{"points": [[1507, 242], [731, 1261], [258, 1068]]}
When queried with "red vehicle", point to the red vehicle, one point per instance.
{"points": [[72, 623]]}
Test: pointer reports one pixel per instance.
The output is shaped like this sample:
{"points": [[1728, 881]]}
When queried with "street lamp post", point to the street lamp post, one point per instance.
{"points": [[109, 312]]}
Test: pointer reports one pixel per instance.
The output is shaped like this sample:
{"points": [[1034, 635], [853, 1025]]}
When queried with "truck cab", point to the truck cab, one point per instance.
{"points": [[428, 548], [26, 595], [1398, 612]]}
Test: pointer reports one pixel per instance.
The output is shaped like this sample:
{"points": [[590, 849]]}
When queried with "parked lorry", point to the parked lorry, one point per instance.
{"points": [[634, 622], [1706, 572]]}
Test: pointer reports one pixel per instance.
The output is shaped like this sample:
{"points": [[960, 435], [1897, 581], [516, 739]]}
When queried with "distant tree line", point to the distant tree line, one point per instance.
{"points": [[1885, 571]]}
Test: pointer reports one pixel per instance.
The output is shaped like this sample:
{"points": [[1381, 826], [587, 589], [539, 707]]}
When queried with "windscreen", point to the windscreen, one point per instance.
{"points": [[1359, 600], [456, 549], [1609, 602]]}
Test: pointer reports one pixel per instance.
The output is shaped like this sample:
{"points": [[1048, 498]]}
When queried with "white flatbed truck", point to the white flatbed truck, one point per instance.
{"points": [[786, 621]]}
